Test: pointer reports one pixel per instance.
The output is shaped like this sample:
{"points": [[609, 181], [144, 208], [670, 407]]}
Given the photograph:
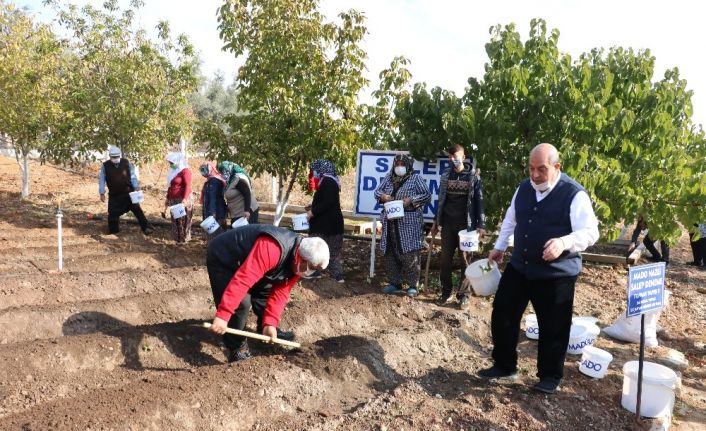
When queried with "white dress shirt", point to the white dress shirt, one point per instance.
{"points": [[584, 224]]}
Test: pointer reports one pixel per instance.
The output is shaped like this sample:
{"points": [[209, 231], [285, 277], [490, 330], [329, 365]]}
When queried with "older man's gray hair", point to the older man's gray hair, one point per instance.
{"points": [[315, 252]]}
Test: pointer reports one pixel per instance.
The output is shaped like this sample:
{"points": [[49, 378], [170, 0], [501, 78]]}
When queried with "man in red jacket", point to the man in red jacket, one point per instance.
{"points": [[257, 266]]}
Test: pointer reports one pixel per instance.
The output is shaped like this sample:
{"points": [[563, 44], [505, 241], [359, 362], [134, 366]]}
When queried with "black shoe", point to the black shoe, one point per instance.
{"points": [[495, 373], [285, 335], [547, 385], [443, 299], [148, 230], [240, 354]]}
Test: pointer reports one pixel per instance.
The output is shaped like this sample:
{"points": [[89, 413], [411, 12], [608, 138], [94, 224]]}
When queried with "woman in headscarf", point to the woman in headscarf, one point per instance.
{"points": [[402, 238], [239, 195], [179, 192], [212, 200], [325, 217]]}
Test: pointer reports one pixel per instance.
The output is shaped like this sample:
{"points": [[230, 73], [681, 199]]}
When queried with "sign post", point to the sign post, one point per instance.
{"points": [[645, 293]]}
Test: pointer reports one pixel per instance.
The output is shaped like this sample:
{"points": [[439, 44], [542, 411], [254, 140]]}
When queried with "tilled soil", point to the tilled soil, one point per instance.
{"points": [[114, 341]]}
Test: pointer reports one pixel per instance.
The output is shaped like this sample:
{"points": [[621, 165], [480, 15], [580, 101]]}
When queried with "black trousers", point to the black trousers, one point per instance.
{"points": [[449, 245], [256, 298], [650, 246], [698, 249], [119, 205], [553, 301]]}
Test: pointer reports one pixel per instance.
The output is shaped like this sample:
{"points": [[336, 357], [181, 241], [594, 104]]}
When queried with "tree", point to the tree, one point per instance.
{"points": [[630, 141], [516, 107], [429, 122], [30, 84], [298, 89], [632, 144], [214, 100], [124, 89], [380, 127]]}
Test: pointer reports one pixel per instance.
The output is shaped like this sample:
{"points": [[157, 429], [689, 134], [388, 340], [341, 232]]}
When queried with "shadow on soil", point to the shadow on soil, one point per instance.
{"points": [[182, 339]]}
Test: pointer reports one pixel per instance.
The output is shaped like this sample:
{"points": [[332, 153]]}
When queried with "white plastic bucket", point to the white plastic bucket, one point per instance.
{"points": [[178, 210], [394, 209], [590, 320], [531, 327], [137, 196], [468, 241], [582, 334], [594, 362], [300, 222], [658, 385], [484, 276], [210, 225], [242, 221]]}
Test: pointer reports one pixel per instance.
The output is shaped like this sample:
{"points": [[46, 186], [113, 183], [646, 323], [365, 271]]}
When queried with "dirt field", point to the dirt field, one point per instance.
{"points": [[114, 342]]}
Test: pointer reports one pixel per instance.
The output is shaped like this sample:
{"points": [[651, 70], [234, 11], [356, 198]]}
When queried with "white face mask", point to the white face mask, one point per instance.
{"points": [[115, 160], [542, 187], [457, 163], [400, 171], [306, 272]]}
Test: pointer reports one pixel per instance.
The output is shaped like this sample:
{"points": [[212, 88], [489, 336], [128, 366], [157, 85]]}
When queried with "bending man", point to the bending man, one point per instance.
{"points": [[257, 266]]}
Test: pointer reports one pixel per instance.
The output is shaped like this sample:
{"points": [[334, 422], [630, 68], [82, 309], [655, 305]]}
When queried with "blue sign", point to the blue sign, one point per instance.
{"points": [[371, 168], [645, 288]]}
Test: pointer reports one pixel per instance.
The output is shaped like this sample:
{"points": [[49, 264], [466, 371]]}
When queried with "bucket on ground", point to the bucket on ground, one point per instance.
{"points": [[594, 362], [585, 319], [394, 209], [582, 334], [137, 196], [242, 221], [468, 241], [658, 385], [531, 327], [484, 276], [210, 225], [300, 222], [178, 210]]}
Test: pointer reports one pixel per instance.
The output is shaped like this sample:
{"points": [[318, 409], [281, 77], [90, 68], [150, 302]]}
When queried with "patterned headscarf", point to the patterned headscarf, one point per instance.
{"points": [[397, 181], [326, 169], [230, 171], [209, 171]]}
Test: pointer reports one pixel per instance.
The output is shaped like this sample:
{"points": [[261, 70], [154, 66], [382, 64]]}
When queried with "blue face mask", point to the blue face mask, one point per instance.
{"points": [[317, 175]]}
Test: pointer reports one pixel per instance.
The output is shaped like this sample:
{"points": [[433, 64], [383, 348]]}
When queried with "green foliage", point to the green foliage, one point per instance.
{"points": [[630, 141], [124, 88], [379, 128], [298, 87], [31, 83], [214, 101], [429, 123]]}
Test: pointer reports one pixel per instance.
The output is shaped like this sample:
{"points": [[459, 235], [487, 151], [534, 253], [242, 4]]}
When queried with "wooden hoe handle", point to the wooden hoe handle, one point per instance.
{"points": [[257, 336]]}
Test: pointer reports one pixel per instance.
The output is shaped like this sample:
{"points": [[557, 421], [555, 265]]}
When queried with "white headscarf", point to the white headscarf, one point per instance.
{"points": [[180, 161]]}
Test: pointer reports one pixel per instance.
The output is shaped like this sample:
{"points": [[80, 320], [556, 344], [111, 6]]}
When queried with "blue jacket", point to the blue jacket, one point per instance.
{"points": [[213, 201]]}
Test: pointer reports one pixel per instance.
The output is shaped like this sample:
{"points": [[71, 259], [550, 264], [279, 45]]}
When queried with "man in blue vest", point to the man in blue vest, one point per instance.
{"points": [[552, 220]]}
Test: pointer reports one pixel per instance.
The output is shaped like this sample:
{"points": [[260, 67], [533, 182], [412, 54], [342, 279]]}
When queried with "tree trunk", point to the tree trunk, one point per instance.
{"points": [[22, 157], [283, 196]]}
